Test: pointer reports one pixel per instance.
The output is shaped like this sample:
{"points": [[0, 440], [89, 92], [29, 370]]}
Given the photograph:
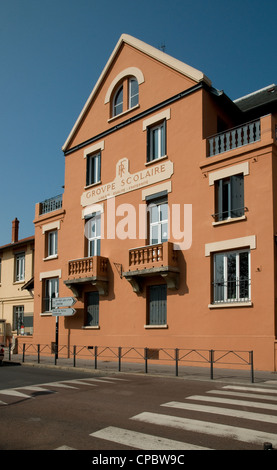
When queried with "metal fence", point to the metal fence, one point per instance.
{"points": [[90, 356]]}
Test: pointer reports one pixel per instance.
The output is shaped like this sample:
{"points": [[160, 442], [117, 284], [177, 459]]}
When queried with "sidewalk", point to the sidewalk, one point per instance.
{"points": [[240, 376]]}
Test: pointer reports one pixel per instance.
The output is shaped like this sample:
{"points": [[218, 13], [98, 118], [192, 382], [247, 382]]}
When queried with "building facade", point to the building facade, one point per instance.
{"points": [[165, 233], [16, 287]]}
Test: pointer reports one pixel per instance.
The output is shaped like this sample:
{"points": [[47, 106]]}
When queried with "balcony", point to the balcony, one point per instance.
{"points": [[234, 138], [82, 271], [52, 204], [153, 260]]}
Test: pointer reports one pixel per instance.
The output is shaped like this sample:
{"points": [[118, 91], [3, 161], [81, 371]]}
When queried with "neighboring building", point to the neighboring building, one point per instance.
{"points": [[155, 142], [16, 286]]}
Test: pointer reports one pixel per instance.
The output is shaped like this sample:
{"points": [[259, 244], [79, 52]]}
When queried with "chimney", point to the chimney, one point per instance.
{"points": [[15, 226]]}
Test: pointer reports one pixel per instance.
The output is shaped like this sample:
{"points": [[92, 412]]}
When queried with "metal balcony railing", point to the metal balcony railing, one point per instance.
{"points": [[51, 204], [235, 291], [234, 138]]}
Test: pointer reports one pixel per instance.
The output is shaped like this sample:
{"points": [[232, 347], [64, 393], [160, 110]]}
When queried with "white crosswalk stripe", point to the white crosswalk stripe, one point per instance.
{"points": [[237, 397], [142, 441], [206, 427]]}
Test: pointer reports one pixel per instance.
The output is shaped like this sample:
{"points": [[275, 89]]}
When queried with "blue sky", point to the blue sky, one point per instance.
{"points": [[53, 51]]}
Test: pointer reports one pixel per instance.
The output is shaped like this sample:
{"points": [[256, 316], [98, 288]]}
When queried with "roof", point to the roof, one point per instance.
{"points": [[260, 98], [18, 243], [152, 52]]}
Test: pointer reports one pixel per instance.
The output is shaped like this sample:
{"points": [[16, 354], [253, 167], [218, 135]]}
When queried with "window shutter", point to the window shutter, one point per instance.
{"points": [[157, 305], [237, 195], [93, 309]]}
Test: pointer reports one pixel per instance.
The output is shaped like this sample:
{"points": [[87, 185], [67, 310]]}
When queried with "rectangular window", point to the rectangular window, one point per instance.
{"points": [[51, 291], [18, 318], [157, 308], [231, 281], [156, 141], [93, 169], [52, 243], [20, 267], [93, 232], [229, 197], [158, 221], [92, 318]]}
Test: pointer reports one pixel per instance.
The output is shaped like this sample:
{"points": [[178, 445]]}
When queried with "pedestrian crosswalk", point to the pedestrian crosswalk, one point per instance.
{"points": [[255, 421], [31, 391]]}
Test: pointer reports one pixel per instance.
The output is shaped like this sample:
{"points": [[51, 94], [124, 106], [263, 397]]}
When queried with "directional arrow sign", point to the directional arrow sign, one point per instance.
{"points": [[63, 302], [63, 312]]}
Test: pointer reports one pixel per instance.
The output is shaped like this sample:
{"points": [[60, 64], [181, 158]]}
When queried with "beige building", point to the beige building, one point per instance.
{"points": [[16, 286]]}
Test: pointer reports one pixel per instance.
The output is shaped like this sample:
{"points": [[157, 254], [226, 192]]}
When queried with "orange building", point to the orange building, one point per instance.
{"points": [[165, 233]]}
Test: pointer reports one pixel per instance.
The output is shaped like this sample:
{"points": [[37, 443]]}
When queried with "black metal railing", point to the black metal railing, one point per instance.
{"points": [[52, 204], [237, 290], [136, 357]]}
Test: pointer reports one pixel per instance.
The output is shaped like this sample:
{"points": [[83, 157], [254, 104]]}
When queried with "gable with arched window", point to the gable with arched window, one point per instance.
{"points": [[123, 92]]}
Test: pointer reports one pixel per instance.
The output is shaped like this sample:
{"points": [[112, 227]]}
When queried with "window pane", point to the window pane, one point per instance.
{"points": [[118, 102], [231, 276], [133, 92], [244, 275], [164, 211], [219, 278], [164, 233], [154, 234], [154, 213]]}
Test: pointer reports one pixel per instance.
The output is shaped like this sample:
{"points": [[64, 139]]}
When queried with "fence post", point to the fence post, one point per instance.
{"points": [[251, 365], [74, 356], [10, 351], [119, 358], [95, 357], [212, 363], [23, 353], [145, 360], [176, 361], [38, 353]]}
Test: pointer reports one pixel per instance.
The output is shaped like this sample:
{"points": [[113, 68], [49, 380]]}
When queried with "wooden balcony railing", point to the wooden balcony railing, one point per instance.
{"points": [[96, 266], [153, 256]]}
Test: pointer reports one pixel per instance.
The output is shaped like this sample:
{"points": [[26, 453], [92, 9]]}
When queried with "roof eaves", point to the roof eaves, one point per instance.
{"points": [[151, 51]]}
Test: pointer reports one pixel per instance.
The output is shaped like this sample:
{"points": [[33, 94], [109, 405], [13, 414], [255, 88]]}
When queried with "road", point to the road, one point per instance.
{"points": [[48, 409]]}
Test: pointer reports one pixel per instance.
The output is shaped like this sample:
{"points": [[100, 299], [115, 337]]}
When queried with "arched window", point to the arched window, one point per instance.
{"points": [[118, 101], [133, 92]]}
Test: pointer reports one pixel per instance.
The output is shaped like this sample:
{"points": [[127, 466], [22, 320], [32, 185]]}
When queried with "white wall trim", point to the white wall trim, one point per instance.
{"points": [[229, 171], [157, 117], [231, 244], [52, 226], [48, 274], [130, 71], [94, 148]]}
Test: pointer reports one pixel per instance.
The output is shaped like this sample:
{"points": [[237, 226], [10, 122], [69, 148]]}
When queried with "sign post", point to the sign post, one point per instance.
{"points": [[60, 309]]}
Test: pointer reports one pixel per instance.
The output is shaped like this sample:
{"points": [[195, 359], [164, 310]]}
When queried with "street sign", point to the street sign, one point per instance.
{"points": [[63, 312], [63, 302]]}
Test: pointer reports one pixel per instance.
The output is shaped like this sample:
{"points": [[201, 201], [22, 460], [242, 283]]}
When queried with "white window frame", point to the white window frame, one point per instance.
{"points": [[52, 243], [20, 267], [133, 96], [93, 168], [94, 221], [52, 289], [238, 298], [118, 107], [158, 223], [154, 153]]}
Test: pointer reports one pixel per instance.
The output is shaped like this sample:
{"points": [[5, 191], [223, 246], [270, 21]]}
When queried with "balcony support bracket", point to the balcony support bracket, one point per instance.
{"points": [[169, 274]]}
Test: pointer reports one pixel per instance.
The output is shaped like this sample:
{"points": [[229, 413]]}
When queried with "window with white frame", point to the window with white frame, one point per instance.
{"points": [[229, 197], [93, 168], [20, 267], [231, 276], [158, 221], [52, 243], [118, 102], [133, 92], [51, 292], [93, 232], [156, 141]]}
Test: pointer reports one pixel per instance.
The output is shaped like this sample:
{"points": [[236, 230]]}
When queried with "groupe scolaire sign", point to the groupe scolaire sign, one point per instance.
{"points": [[125, 181]]}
